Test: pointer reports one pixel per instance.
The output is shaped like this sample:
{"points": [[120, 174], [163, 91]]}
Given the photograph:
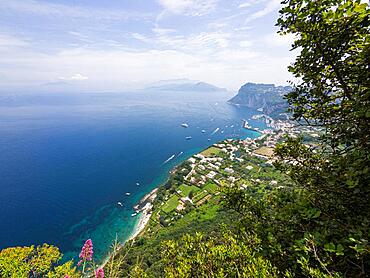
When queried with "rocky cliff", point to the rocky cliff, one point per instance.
{"points": [[268, 98]]}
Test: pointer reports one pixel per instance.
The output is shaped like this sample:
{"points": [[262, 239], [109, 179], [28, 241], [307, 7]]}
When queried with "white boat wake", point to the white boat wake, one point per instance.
{"points": [[180, 153], [215, 131], [169, 159]]}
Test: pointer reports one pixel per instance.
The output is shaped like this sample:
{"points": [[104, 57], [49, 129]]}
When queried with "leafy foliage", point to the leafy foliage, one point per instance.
{"points": [[334, 94], [40, 261], [214, 257]]}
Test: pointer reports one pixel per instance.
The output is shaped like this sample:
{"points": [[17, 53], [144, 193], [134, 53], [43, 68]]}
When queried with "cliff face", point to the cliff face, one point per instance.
{"points": [[268, 97]]}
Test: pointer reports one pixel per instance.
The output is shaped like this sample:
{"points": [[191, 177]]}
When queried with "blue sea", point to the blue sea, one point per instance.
{"points": [[67, 159]]}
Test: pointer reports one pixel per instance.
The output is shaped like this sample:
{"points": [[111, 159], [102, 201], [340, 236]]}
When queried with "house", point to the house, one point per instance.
{"points": [[229, 170], [211, 175], [192, 160]]}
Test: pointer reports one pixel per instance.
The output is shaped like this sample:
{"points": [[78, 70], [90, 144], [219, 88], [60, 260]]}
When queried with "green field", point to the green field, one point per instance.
{"points": [[199, 196], [211, 188], [171, 204], [212, 151], [266, 151], [186, 189]]}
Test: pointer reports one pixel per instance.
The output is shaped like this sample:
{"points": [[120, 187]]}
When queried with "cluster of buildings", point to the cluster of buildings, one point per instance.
{"points": [[228, 162]]}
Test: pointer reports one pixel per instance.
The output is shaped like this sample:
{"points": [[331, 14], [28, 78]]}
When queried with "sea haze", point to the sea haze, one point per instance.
{"points": [[67, 159]]}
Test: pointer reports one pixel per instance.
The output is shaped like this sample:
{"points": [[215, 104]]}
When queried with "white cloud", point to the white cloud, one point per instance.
{"points": [[274, 39], [61, 10], [140, 37], [202, 43], [11, 41], [163, 31], [222, 51], [249, 3], [74, 77], [112, 69], [271, 6], [189, 7]]}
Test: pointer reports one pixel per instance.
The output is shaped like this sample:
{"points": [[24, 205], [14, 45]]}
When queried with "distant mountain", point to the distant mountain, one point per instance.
{"points": [[266, 97], [184, 85]]}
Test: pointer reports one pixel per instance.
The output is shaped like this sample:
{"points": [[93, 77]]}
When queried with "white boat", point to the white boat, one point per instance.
{"points": [[120, 204], [209, 139], [222, 131], [232, 126], [185, 125], [137, 184], [133, 214], [203, 131], [188, 137], [128, 193]]}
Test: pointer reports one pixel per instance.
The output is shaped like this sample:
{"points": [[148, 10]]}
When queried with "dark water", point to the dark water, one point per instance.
{"points": [[67, 159]]}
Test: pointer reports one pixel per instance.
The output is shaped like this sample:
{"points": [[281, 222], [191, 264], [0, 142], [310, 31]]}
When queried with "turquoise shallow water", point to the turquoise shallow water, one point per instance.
{"points": [[68, 159]]}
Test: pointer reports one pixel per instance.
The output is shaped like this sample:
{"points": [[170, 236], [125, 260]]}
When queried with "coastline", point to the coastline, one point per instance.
{"points": [[144, 208]]}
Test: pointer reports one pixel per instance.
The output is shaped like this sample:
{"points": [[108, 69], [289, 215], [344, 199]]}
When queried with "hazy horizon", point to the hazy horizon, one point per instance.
{"points": [[65, 45]]}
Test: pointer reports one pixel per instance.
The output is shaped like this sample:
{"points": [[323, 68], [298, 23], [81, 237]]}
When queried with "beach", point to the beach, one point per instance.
{"points": [[144, 209]]}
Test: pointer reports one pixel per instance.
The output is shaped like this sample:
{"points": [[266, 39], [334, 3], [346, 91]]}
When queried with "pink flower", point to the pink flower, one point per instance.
{"points": [[100, 273], [86, 254], [66, 276], [87, 251]]}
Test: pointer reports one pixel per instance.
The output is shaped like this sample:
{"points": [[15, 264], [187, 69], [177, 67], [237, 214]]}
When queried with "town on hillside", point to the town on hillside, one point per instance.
{"points": [[200, 180]]}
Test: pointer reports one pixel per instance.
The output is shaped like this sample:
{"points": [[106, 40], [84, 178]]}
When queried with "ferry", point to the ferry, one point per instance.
{"points": [[185, 125]]}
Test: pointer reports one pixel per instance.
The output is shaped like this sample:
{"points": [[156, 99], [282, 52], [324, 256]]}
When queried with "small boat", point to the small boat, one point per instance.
{"points": [[120, 204], [232, 126], [209, 139], [203, 131], [222, 131], [133, 214], [185, 125], [137, 184], [128, 193], [188, 137]]}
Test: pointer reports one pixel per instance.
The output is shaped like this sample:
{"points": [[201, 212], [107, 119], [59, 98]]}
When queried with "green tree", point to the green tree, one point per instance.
{"points": [[224, 256], [333, 95], [40, 261]]}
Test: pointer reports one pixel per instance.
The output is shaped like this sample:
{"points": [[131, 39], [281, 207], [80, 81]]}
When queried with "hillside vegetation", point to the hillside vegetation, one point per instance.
{"points": [[237, 211]]}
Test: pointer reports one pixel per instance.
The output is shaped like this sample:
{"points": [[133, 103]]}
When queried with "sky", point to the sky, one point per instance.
{"points": [[114, 45]]}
